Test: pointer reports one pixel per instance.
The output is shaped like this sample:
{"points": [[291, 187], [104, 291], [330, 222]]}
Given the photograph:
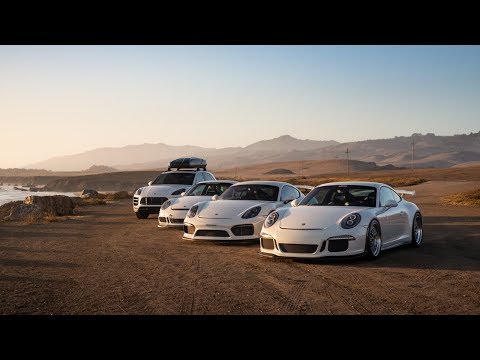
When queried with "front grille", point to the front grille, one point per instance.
{"points": [[153, 200], [212, 233], [135, 201], [267, 243], [176, 221], [298, 248], [188, 229], [242, 230], [337, 245], [162, 219]]}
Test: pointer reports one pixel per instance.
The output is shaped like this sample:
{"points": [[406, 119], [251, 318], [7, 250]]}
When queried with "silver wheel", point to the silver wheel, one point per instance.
{"points": [[417, 230], [374, 240]]}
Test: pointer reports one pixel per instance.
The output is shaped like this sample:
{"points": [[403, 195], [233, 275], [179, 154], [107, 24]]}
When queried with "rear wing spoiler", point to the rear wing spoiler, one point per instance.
{"points": [[402, 193]]}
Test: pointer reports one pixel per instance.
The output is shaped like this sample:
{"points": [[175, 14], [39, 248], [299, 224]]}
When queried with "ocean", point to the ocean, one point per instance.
{"points": [[8, 193]]}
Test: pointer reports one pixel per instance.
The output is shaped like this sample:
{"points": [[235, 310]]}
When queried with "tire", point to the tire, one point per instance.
{"points": [[141, 215], [417, 230], [373, 241]]}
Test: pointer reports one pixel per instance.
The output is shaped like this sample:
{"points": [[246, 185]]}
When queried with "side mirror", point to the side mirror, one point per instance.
{"points": [[286, 201], [391, 203], [215, 197], [150, 183], [183, 193], [295, 202]]}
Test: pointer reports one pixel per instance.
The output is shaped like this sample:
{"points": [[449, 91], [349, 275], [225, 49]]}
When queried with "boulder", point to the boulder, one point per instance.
{"points": [[35, 208], [57, 205], [89, 194]]}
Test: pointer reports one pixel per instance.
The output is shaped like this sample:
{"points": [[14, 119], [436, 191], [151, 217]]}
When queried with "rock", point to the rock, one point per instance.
{"points": [[24, 212], [89, 194], [57, 205]]}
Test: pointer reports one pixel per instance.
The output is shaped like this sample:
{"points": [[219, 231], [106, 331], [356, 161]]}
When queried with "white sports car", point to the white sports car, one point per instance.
{"points": [[341, 219], [173, 211], [239, 213]]}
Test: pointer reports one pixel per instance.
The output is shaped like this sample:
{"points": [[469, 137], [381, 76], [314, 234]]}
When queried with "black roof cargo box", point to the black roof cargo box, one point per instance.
{"points": [[188, 163]]}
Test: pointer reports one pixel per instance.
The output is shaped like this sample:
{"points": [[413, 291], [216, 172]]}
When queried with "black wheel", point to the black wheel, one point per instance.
{"points": [[373, 243], [141, 215], [417, 230]]}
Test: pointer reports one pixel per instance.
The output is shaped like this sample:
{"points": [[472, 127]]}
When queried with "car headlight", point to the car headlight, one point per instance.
{"points": [[166, 204], [350, 221], [271, 219], [251, 213], [139, 191], [193, 211], [178, 192]]}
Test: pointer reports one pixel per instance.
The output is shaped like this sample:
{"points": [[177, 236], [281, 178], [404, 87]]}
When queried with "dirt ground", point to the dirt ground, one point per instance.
{"points": [[105, 261]]}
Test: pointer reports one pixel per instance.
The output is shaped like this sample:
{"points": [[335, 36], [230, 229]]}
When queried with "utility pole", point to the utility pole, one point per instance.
{"points": [[413, 151], [348, 165]]}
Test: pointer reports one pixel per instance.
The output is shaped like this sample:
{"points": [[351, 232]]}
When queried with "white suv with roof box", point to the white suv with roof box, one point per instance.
{"points": [[170, 184]]}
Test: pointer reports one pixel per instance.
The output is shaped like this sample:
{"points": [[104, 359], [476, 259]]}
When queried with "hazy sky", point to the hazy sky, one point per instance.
{"points": [[60, 100]]}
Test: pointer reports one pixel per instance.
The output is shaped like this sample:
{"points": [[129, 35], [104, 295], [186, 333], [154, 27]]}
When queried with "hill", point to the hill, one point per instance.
{"points": [[430, 151]]}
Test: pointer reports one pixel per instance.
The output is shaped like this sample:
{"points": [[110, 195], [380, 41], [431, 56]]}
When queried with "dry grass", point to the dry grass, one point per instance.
{"points": [[85, 202], [467, 198], [119, 195]]}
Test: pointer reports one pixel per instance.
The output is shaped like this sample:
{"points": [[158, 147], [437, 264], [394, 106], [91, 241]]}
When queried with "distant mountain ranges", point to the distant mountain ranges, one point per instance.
{"points": [[430, 151]]}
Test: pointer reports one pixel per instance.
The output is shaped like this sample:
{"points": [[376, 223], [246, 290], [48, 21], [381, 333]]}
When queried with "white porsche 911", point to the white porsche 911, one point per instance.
{"points": [[342, 219], [239, 213], [173, 211]]}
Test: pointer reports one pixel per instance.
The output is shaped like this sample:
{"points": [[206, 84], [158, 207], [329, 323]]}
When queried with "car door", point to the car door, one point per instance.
{"points": [[388, 217]]}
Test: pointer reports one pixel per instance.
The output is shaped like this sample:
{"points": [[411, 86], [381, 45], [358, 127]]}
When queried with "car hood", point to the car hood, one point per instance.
{"points": [[161, 190], [314, 217], [186, 202], [227, 209]]}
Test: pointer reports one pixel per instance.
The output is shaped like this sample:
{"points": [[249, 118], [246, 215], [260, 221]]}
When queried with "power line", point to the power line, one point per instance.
{"points": [[348, 165], [413, 151]]}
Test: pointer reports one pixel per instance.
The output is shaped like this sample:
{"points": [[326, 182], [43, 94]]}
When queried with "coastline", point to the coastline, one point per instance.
{"points": [[9, 194]]}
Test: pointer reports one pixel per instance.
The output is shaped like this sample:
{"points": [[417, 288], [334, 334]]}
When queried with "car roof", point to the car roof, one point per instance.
{"points": [[217, 181], [257, 182], [362, 183]]}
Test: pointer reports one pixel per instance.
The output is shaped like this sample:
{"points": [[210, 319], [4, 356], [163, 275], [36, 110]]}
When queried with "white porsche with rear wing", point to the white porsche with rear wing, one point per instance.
{"points": [[343, 219]]}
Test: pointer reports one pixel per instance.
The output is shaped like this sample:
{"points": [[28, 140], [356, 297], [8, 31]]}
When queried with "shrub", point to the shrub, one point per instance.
{"points": [[467, 198]]}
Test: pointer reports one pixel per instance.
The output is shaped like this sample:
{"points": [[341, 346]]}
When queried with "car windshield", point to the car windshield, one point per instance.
{"points": [[208, 189], [175, 178], [341, 195], [251, 192]]}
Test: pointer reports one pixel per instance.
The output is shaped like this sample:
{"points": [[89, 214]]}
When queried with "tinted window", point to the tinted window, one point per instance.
{"points": [[208, 189], [251, 192], [341, 195], [209, 176], [289, 192], [175, 178], [387, 194], [200, 177]]}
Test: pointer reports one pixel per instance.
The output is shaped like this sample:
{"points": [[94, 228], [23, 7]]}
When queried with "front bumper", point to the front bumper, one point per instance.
{"points": [[212, 229], [313, 243], [171, 218], [150, 205]]}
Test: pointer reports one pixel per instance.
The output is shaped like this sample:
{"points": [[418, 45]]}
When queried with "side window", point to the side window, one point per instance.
{"points": [[396, 197], [199, 177], [289, 192], [385, 195], [209, 176]]}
